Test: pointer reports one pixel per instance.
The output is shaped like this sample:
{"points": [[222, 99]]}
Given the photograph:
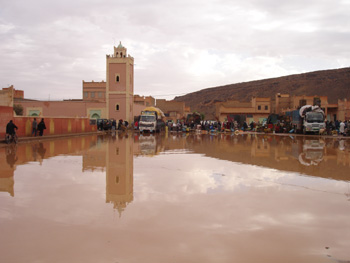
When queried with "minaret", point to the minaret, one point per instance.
{"points": [[120, 85]]}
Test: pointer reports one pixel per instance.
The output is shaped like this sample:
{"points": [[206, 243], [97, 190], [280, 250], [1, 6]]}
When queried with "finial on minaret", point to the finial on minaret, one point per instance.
{"points": [[120, 45]]}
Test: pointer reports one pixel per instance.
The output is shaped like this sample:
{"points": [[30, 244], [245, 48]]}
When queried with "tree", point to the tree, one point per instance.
{"points": [[18, 108]]}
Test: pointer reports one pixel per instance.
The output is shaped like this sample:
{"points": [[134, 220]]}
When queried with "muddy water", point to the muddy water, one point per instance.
{"points": [[194, 198]]}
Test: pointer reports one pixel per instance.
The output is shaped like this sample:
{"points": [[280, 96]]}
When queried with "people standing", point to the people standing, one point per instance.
{"points": [[342, 128], [34, 127], [41, 127], [114, 125]]}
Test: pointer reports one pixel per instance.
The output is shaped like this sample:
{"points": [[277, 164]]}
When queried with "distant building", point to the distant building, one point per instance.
{"points": [[141, 102], [173, 110], [94, 91], [343, 110], [284, 103], [257, 110], [111, 99]]}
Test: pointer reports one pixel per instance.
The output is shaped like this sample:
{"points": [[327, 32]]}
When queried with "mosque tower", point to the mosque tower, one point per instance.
{"points": [[120, 85]]}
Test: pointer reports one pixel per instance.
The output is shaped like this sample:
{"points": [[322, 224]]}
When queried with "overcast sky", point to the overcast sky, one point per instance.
{"points": [[48, 47]]}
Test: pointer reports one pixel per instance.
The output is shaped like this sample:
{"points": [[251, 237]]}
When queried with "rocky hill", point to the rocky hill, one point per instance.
{"points": [[332, 83]]}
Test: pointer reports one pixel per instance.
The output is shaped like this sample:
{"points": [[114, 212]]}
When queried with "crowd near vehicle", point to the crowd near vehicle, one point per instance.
{"points": [[104, 124], [308, 119], [151, 120], [312, 119]]}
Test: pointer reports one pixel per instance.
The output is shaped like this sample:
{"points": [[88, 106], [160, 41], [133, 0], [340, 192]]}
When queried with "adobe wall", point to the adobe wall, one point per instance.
{"points": [[137, 109], [95, 91], [54, 126], [343, 110], [72, 109], [6, 114], [167, 106], [6, 96]]}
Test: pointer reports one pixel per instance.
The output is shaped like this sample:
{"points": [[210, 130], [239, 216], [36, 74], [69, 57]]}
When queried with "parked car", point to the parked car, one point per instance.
{"points": [[104, 124]]}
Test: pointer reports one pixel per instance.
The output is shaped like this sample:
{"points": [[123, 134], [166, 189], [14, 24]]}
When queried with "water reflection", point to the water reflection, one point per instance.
{"points": [[176, 198], [312, 152], [312, 156], [322, 157], [112, 155], [11, 157]]}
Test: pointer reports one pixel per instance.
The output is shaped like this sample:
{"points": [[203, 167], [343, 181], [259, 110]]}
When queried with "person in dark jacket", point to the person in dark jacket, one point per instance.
{"points": [[41, 127], [10, 128]]}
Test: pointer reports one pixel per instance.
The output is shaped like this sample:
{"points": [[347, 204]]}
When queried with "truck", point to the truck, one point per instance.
{"points": [[312, 118], [151, 120]]}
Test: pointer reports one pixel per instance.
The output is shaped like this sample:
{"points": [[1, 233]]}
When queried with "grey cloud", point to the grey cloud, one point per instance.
{"points": [[58, 44]]}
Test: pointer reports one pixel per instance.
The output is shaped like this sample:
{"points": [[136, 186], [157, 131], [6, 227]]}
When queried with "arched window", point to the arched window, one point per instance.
{"points": [[117, 79], [117, 107], [95, 116]]}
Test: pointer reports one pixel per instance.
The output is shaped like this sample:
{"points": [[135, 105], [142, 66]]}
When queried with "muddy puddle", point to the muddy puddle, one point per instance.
{"points": [[176, 198]]}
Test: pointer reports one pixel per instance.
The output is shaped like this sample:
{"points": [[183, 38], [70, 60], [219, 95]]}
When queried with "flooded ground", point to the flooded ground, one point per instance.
{"points": [[176, 198]]}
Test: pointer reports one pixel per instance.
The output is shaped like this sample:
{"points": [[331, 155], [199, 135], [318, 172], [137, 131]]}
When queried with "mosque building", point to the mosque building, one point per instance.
{"points": [[110, 99]]}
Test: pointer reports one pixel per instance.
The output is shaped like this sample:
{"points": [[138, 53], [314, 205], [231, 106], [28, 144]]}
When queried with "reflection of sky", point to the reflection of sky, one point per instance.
{"points": [[193, 174], [271, 211], [62, 190]]}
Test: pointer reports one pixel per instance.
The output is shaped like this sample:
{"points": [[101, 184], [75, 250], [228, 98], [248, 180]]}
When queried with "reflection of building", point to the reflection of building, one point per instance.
{"points": [[6, 176], [119, 173], [276, 152], [95, 157], [260, 148], [8, 167], [99, 153]]}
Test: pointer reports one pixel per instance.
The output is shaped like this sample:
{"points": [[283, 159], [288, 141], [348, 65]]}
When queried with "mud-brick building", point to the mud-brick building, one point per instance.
{"points": [[285, 102], [110, 99], [344, 109], [256, 110], [142, 102], [94, 91], [173, 110]]}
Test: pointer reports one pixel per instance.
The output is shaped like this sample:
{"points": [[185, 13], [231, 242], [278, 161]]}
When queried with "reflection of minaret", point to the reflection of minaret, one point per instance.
{"points": [[119, 173]]}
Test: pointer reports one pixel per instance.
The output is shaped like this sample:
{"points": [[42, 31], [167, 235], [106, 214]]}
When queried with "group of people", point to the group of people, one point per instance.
{"points": [[336, 127], [11, 128], [38, 127], [340, 127], [210, 126], [112, 125]]}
